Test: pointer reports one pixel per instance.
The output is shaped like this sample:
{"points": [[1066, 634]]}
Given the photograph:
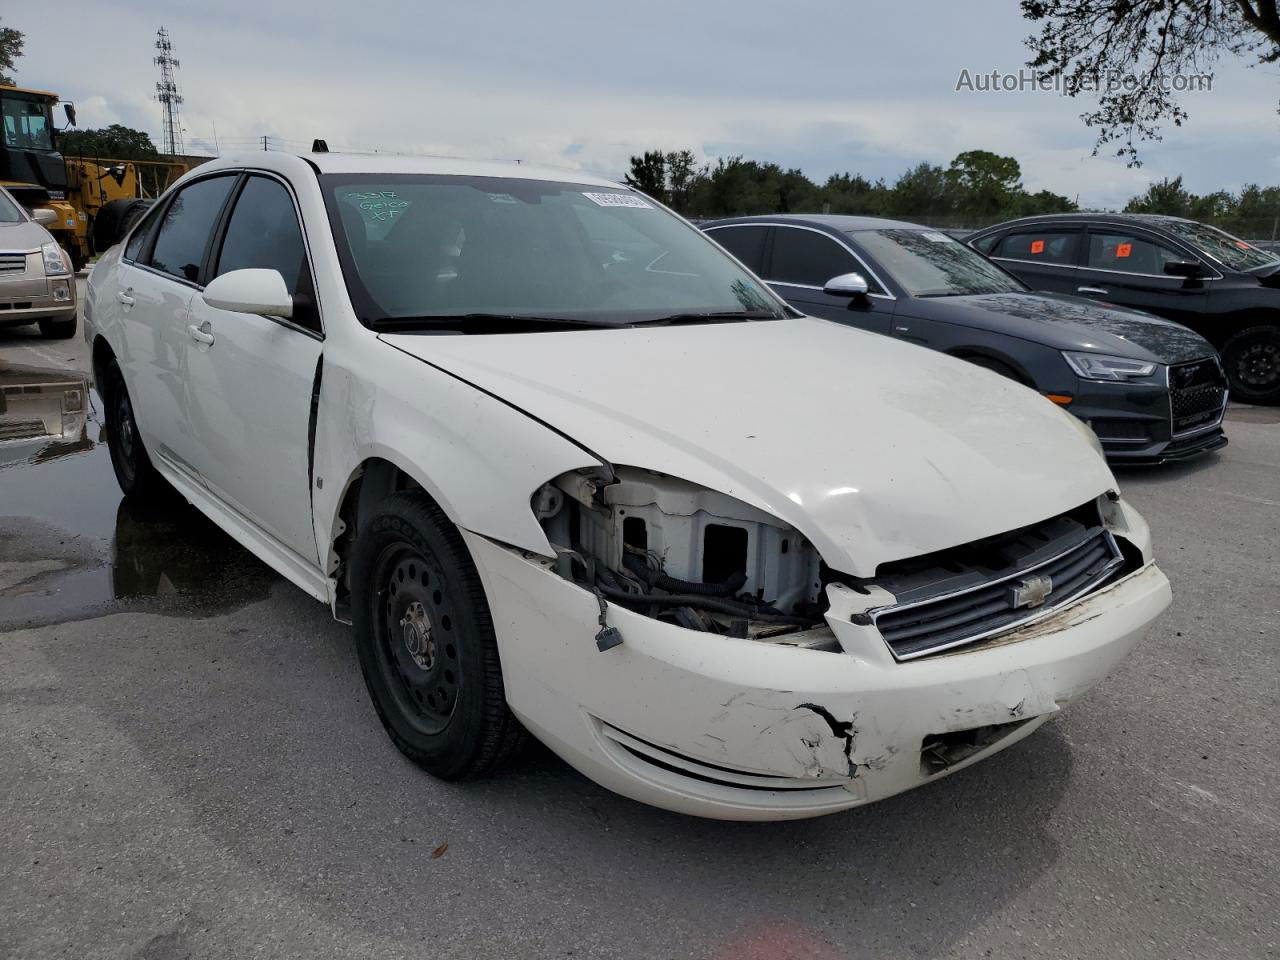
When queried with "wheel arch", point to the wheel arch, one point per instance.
{"points": [[971, 352]]}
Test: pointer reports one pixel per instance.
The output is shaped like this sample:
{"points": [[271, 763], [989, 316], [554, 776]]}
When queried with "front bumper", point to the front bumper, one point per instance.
{"points": [[739, 729], [1133, 422], [30, 296]]}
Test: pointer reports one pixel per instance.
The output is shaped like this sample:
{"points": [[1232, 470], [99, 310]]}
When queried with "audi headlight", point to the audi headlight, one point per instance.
{"points": [[1097, 366], [56, 262]]}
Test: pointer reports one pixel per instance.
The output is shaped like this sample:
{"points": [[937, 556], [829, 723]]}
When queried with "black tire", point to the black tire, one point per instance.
{"points": [[995, 366], [134, 471], [114, 220], [1252, 361], [63, 329], [425, 641]]}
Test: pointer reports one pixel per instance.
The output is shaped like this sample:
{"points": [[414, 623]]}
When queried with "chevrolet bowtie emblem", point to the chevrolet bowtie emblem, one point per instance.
{"points": [[1031, 592]]}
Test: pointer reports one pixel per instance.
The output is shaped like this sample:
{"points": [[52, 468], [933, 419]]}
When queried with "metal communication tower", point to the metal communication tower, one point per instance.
{"points": [[167, 93]]}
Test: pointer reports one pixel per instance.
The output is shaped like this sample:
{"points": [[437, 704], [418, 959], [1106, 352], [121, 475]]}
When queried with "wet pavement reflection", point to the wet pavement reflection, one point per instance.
{"points": [[71, 546]]}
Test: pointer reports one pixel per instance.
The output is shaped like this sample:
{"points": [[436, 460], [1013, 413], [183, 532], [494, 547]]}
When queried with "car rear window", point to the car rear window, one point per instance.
{"points": [[1041, 246]]}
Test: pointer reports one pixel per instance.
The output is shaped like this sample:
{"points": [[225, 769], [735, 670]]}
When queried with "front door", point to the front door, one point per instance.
{"points": [[250, 379], [1126, 267], [804, 259]]}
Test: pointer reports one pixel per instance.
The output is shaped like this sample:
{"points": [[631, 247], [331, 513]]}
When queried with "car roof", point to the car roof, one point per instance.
{"points": [[841, 223], [377, 163], [1148, 219]]}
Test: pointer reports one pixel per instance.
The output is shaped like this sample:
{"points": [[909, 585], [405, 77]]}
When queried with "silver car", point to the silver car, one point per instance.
{"points": [[37, 283]]}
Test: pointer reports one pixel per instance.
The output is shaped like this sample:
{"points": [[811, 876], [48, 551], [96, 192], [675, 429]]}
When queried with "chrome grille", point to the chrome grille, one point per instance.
{"points": [[978, 590], [1197, 395], [11, 262]]}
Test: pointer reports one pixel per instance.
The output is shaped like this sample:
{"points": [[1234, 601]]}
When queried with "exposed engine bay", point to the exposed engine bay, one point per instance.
{"points": [[686, 555]]}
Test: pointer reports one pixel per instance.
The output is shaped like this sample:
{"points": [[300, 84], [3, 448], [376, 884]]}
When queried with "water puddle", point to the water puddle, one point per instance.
{"points": [[71, 546]]}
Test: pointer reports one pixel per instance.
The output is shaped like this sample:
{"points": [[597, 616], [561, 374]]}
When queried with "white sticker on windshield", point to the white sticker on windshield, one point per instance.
{"points": [[618, 200], [937, 237]]}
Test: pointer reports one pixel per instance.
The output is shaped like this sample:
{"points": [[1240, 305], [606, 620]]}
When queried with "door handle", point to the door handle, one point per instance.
{"points": [[125, 297], [199, 334], [1091, 290]]}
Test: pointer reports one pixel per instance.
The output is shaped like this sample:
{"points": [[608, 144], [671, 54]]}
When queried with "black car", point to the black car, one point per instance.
{"points": [[1216, 284], [1152, 390]]}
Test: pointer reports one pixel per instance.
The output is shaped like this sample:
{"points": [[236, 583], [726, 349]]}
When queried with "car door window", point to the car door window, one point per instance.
{"points": [[187, 225], [810, 259], [1127, 253], [138, 239], [984, 244], [263, 232], [745, 243], [1039, 246]]}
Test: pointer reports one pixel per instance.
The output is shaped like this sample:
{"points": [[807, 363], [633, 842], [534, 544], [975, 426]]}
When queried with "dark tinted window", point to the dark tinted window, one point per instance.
{"points": [[1127, 253], [1040, 246], [745, 243], [986, 243], [263, 232], [802, 256], [186, 226], [138, 239]]}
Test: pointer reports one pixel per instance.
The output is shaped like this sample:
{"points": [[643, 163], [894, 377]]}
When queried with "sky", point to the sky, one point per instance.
{"points": [[866, 87]]}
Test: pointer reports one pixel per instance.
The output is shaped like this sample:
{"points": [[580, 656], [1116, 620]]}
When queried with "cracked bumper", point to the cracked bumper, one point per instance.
{"points": [[736, 729]]}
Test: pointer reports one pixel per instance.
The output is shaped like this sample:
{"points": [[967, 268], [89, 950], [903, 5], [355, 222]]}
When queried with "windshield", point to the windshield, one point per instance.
{"points": [[1221, 246], [927, 263], [424, 246], [9, 212], [26, 123]]}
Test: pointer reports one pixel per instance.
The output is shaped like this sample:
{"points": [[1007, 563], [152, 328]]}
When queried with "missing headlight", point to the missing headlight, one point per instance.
{"points": [[684, 554]]}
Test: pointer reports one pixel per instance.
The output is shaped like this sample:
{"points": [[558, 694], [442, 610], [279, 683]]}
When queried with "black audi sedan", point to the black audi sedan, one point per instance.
{"points": [[1218, 285], [1152, 390]]}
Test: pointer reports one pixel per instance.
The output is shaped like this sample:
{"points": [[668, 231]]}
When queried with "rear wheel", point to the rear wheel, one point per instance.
{"points": [[63, 329], [425, 641], [129, 459], [1252, 359]]}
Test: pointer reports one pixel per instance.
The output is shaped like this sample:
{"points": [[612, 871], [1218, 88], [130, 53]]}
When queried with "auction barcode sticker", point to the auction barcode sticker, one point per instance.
{"points": [[618, 200]]}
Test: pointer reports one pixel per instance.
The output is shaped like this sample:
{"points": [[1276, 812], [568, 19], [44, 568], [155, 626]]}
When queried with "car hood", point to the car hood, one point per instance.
{"points": [[1074, 323], [27, 235], [874, 449]]}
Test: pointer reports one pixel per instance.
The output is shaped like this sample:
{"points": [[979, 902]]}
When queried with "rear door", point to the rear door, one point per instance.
{"points": [[1043, 257], [1126, 266], [251, 378], [156, 282], [800, 263]]}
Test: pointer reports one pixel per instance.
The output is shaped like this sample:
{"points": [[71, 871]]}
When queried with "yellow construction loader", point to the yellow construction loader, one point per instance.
{"points": [[90, 196]]}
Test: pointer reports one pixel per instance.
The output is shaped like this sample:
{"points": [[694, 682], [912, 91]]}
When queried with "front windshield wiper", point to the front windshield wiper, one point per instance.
{"points": [[483, 323], [722, 316]]}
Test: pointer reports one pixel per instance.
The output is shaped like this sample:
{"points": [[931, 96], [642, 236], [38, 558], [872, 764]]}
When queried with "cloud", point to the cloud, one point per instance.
{"points": [[867, 87]]}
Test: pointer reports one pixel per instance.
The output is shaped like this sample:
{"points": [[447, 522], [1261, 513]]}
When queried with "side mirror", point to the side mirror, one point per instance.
{"points": [[1183, 268], [847, 285], [70, 110], [250, 291], [44, 216]]}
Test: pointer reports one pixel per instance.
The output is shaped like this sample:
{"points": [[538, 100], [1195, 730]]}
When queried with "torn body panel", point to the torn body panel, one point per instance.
{"points": [[733, 728]]}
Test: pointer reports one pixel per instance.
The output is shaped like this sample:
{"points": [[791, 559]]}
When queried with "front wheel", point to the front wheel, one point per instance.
{"points": [[425, 641], [63, 329], [1252, 360]]}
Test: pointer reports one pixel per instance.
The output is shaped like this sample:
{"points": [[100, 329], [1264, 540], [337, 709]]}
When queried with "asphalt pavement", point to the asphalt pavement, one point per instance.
{"points": [[190, 767]]}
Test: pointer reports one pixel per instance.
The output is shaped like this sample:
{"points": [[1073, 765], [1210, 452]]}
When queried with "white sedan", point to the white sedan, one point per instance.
{"points": [[569, 468]]}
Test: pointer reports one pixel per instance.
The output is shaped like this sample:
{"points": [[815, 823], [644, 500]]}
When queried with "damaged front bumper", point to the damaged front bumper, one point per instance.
{"points": [[739, 729]]}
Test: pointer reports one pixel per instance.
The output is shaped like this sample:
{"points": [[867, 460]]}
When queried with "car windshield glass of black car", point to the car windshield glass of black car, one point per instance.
{"points": [[927, 263], [1229, 251], [417, 248]]}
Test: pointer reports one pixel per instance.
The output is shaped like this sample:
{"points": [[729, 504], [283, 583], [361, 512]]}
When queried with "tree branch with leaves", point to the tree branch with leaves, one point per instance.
{"points": [[1135, 55]]}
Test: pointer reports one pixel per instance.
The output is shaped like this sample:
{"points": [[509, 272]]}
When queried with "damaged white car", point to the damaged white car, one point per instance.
{"points": [[569, 468]]}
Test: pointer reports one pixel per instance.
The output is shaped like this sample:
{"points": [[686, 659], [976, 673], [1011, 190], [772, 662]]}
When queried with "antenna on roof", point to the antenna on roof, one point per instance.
{"points": [[319, 146]]}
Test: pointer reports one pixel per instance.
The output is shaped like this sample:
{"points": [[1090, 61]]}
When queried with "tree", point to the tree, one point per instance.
{"points": [[985, 183], [1034, 204], [854, 193], [649, 174], [11, 42], [115, 142], [1139, 55], [681, 175], [924, 190], [1168, 196]]}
